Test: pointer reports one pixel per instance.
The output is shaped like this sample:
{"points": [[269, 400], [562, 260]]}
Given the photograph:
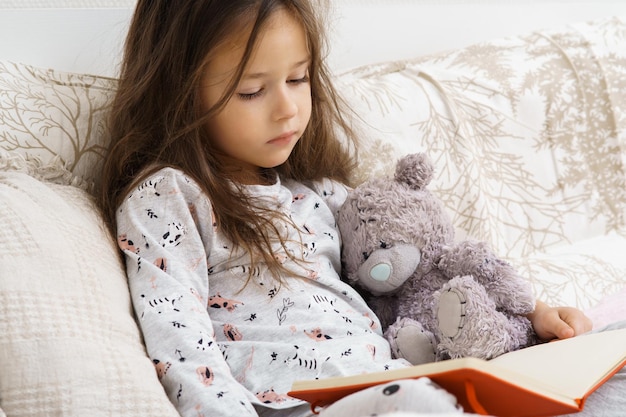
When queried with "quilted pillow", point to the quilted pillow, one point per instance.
{"points": [[70, 345], [52, 115]]}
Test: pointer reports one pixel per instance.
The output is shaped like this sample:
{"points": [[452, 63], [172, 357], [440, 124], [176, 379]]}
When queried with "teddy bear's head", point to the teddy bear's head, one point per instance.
{"points": [[393, 227]]}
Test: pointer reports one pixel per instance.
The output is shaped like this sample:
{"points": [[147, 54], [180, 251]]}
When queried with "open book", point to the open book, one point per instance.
{"points": [[543, 380]]}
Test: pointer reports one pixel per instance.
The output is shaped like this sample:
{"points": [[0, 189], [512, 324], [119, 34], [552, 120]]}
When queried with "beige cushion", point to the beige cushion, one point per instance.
{"points": [[50, 115], [69, 344]]}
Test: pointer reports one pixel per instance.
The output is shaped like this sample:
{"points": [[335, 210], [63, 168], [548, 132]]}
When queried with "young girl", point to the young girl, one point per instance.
{"points": [[224, 176]]}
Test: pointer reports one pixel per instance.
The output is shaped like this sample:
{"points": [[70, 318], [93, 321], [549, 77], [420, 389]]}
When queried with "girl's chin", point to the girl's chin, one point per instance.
{"points": [[277, 160]]}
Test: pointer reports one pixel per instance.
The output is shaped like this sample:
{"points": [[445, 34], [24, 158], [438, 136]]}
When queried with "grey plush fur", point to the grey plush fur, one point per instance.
{"points": [[436, 299]]}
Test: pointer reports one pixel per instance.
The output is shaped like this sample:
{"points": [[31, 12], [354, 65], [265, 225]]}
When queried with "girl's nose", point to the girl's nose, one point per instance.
{"points": [[285, 106]]}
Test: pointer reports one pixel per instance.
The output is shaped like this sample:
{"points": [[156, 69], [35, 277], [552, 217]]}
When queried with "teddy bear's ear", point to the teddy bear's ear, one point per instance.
{"points": [[416, 170]]}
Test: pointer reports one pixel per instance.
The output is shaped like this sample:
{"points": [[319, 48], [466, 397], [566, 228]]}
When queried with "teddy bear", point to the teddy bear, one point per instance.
{"points": [[436, 298]]}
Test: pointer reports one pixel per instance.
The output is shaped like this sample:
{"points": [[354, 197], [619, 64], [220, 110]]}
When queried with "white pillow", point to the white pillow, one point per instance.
{"points": [[69, 344]]}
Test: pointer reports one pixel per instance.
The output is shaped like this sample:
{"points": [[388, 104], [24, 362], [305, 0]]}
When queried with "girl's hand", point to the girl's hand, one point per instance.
{"points": [[558, 322]]}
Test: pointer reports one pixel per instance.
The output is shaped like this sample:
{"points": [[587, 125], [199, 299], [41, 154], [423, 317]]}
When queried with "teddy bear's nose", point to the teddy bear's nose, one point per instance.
{"points": [[381, 272]]}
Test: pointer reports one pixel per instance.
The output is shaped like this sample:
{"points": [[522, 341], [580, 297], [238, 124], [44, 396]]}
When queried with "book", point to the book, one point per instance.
{"points": [[548, 379]]}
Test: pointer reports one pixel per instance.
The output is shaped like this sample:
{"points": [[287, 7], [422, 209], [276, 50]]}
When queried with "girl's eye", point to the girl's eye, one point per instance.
{"points": [[302, 80], [250, 96]]}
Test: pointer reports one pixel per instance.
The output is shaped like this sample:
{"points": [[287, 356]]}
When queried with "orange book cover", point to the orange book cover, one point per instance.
{"points": [[543, 380]]}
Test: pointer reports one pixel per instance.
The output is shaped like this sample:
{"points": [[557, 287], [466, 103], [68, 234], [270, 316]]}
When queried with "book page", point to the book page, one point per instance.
{"points": [[573, 366]]}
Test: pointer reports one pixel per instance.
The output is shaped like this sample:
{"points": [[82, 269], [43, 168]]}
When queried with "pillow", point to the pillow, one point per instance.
{"points": [[582, 274], [527, 132], [48, 114], [70, 345]]}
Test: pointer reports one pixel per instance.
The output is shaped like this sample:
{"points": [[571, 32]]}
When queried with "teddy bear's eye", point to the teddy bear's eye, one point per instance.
{"points": [[366, 255], [383, 245]]}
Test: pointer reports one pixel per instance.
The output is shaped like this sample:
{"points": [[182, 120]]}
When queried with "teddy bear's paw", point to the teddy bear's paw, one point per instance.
{"points": [[451, 312], [409, 340], [470, 324]]}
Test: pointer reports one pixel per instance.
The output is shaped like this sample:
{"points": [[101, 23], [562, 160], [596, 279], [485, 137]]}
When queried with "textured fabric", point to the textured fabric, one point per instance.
{"points": [[52, 115], [527, 135], [188, 286], [69, 345]]}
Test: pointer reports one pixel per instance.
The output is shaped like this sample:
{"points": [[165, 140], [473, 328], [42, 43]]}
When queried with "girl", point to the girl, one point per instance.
{"points": [[222, 183]]}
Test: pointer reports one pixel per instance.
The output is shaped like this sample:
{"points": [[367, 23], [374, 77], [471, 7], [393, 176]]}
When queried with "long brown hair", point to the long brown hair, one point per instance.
{"points": [[156, 121]]}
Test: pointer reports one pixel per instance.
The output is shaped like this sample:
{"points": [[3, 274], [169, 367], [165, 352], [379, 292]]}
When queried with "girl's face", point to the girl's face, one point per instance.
{"points": [[271, 107]]}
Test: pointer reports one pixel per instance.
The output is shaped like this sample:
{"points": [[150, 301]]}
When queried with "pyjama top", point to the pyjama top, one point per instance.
{"points": [[225, 344]]}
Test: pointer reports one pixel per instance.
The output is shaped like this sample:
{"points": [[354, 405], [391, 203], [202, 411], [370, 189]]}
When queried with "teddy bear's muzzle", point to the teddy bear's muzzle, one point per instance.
{"points": [[385, 270]]}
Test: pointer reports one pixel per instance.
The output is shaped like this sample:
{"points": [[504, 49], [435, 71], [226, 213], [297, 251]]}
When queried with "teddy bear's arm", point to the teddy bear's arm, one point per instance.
{"points": [[505, 286]]}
